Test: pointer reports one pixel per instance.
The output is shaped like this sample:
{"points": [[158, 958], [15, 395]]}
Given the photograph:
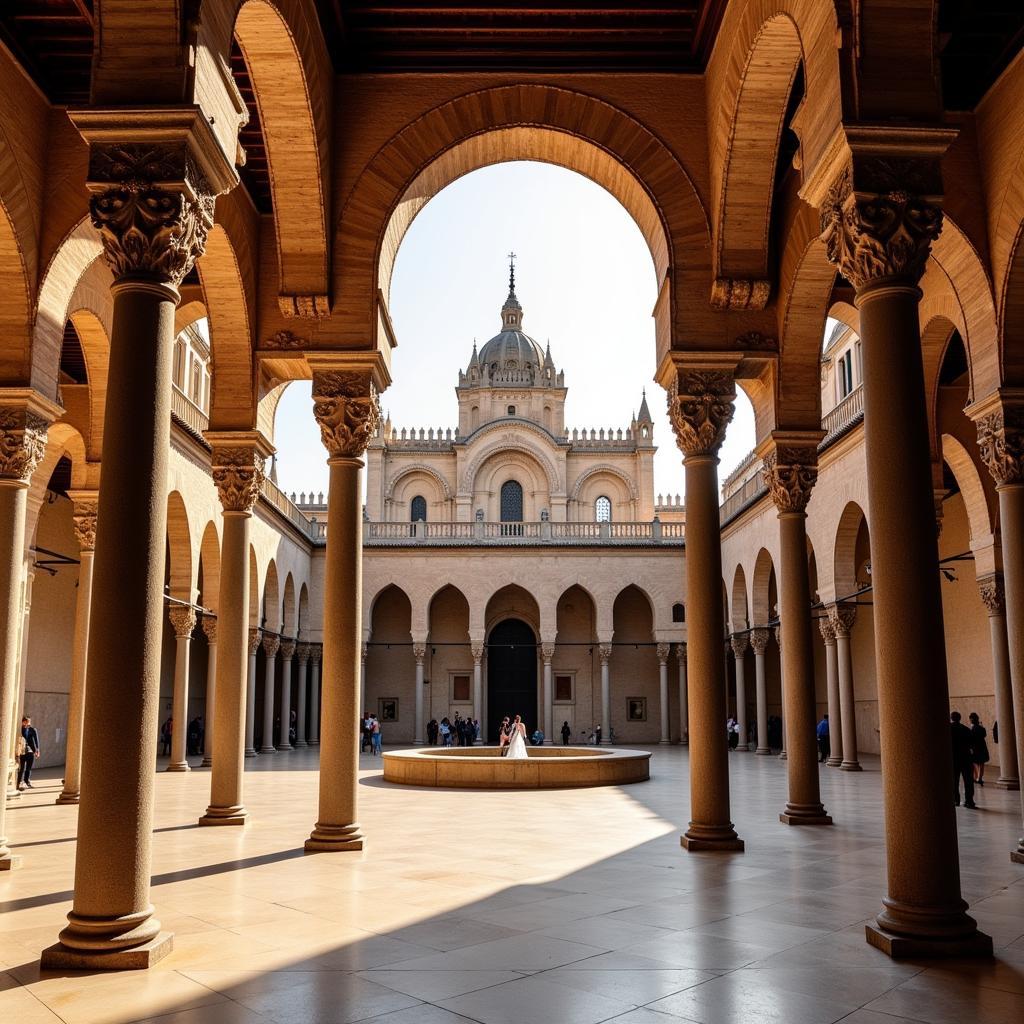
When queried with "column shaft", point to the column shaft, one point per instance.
{"points": [[684, 710], [314, 701], [835, 719], [419, 735], [287, 652], [211, 697], [271, 644], [184, 621], [250, 694], [739, 649], [666, 725], [477, 650], [759, 641], [606, 693], [302, 683], [843, 623], [1009, 777], [548, 723]]}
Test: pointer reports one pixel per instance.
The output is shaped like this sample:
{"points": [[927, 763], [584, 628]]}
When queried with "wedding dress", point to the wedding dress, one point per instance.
{"points": [[517, 747]]}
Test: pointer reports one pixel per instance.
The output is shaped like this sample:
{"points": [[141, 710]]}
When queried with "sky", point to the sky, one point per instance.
{"points": [[585, 279]]}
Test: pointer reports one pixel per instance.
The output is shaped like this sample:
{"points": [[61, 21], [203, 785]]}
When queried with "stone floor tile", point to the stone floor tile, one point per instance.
{"points": [[433, 986], [942, 999]]}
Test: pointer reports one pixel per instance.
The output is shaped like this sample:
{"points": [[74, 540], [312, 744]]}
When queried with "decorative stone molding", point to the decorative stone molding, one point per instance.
{"points": [[790, 473], [476, 648], [681, 651], [271, 644], [547, 651], [288, 649], [238, 475], [22, 442], [1001, 442], [827, 630], [254, 641], [316, 653], [302, 653], [740, 293], [842, 617], [84, 518], [701, 408], [605, 652], [346, 408], [364, 651], [778, 636], [663, 652], [284, 341], [755, 341], [209, 624], [419, 651], [739, 645], [313, 306], [992, 595], [880, 229], [759, 639], [183, 621]]}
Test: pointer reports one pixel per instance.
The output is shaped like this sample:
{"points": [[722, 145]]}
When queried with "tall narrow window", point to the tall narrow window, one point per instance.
{"points": [[603, 509], [511, 502], [419, 509]]}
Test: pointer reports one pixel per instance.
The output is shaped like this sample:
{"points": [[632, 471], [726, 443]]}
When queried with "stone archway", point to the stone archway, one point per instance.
{"points": [[511, 674]]}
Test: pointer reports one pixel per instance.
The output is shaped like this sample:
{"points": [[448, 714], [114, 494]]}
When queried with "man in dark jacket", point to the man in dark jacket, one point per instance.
{"points": [[29, 754], [963, 761]]}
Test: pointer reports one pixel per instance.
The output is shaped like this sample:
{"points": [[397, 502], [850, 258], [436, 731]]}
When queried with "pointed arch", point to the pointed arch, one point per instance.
{"points": [[302, 626], [738, 617], [968, 479], [209, 558], [182, 569], [845, 550], [272, 600], [761, 587], [288, 607]]}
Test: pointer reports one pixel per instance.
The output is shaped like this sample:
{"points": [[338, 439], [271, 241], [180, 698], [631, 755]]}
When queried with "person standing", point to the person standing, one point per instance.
{"points": [[824, 741], [566, 734], [446, 732], [30, 751], [963, 760], [165, 737], [979, 748], [375, 736]]}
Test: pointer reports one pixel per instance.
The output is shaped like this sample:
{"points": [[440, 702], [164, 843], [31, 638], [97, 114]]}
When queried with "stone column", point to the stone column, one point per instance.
{"points": [[210, 629], [666, 726], [315, 653], [23, 425], [605, 652], [739, 651], [476, 648], [85, 533], [152, 202], [835, 720], [1000, 421], [842, 617], [993, 597], [255, 638], [271, 645], [759, 642], [287, 653], [790, 471], [419, 652], [183, 621], [701, 400], [782, 688], [346, 408], [302, 653], [684, 710], [547, 651], [878, 219], [362, 677]]}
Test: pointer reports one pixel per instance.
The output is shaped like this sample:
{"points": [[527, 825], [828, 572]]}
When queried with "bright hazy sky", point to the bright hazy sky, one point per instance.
{"points": [[586, 282]]}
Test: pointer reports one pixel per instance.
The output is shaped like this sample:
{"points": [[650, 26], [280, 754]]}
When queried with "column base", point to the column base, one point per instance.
{"points": [[250, 751], [314, 743], [67, 798], [783, 756], [179, 766], [286, 746], [664, 743], [419, 743], [796, 814], [207, 762], [1007, 783], [59, 957], [834, 762], [268, 750], [299, 743], [901, 947], [763, 750], [744, 747], [711, 837], [12, 862], [334, 839], [850, 766], [224, 816]]}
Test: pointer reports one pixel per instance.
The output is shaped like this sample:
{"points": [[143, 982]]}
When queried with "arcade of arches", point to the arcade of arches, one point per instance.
{"points": [[197, 209]]}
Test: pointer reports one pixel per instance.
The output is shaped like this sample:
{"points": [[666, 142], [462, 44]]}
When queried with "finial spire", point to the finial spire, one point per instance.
{"points": [[512, 272]]}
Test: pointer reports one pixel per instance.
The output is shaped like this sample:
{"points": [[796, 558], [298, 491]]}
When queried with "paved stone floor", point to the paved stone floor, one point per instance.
{"points": [[567, 907]]}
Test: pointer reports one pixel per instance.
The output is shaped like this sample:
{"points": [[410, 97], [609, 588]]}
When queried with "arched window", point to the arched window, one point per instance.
{"points": [[678, 613], [603, 509], [511, 502], [418, 509], [511, 410]]}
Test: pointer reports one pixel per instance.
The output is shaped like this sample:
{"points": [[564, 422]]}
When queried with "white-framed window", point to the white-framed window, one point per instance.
{"points": [[460, 687], [603, 509], [179, 364], [564, 688], [844, 369]]}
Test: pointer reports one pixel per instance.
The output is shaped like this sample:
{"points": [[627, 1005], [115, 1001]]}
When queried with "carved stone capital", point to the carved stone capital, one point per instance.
{"points": [[22, 441], [254, 641], [476, 648], [346, 408], [992, 595], [605, 651], [827, 630], [1001, 441], [842, 618], [314, 306], [209, 627], [302, 653], [740, 293], [271, 644], [759, 640], [681, 652], [288, 649], [316, 653], [878, 222], [84, 518], [419, 651], [700, 407], [238, 475], [664, 650], [547, 651], [790, 472], [739, 645], [183, 621]]}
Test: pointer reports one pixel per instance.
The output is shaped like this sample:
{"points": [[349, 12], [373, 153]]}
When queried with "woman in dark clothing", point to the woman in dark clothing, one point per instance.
{"points": [[979, 748]]}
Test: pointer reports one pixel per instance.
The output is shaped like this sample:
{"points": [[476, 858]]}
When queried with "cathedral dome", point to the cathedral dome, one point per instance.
{"points": [[512, 349]]}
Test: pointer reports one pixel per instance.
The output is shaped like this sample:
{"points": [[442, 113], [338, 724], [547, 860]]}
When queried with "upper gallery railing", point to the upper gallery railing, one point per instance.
{"points": [[510, 534]]}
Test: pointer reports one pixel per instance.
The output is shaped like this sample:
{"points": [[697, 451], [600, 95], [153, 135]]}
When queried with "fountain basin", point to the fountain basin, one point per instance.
{"points": [[545, 768]]}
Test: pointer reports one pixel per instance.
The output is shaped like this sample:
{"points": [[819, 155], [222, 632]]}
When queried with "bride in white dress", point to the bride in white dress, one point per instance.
{"points": [[517, 742]]}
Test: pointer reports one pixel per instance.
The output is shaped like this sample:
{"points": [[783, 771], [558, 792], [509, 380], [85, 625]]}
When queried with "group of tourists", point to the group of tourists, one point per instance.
{"points": [[369, 734], [970, 755], [457, 732]]}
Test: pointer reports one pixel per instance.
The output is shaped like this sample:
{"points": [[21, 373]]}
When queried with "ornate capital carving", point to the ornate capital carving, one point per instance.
{"points": [[302, 653], [547, 651], [84, 518], [183, 620], [992, 595], [209, 626], [882, 229], [315, 306], [476, 648], [739, 645], [254, 641], [316, 653], [364, 650], [284, 340], [1001, 442], [790, 473], [238, 475], [664, 650], [271, 644], [419, 651], [346, 408], [681, 652], [759, 640], [605, 651], [153, 208], [827, 630], [755, 341], [700, 409], [288, 649], [842, 617], [740, 293], [22, 442]]}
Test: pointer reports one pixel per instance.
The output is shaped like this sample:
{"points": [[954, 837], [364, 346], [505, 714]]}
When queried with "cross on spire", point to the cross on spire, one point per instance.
{"points": [[511, 271]]}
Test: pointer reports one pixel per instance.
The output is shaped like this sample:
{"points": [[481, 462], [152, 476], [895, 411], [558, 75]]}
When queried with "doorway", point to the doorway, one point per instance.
{"points": [[511, 675]]}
